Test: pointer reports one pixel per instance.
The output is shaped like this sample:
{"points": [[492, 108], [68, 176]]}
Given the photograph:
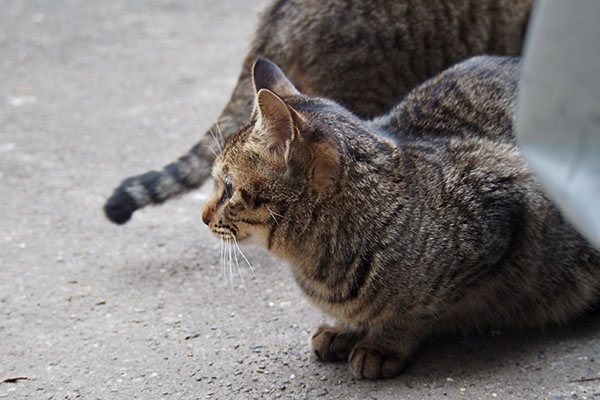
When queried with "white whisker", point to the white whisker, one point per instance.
{"points": [[274, 213], [237, 264], [224, 265], [229, 248], [273, 216], [211, 149], [243, 256], [220, 133], [222, 258], [215, 139]]}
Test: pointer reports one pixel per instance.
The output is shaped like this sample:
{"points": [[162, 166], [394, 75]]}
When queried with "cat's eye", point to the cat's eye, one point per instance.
{"points": [[227, 193]]}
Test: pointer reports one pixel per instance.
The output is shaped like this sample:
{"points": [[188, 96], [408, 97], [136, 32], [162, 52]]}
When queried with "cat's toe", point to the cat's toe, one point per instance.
{"points": [[369, 361], [332, 344]]}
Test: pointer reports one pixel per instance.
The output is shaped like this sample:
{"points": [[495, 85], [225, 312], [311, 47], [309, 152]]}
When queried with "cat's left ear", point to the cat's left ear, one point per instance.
{"points": [[267, 75]]}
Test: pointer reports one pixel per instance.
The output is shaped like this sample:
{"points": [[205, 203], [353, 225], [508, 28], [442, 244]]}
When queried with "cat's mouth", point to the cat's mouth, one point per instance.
{"points": [[228, 233], [224, 233]]}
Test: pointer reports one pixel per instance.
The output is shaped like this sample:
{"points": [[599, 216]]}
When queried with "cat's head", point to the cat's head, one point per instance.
{"points": [[282, 157]]}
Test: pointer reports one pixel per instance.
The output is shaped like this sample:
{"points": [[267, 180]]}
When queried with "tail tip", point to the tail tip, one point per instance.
{"points": [[119, 207]]}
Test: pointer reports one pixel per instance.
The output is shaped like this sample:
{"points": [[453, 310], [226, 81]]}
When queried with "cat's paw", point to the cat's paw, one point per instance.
{"points": [[332, 344], [370, 361]]}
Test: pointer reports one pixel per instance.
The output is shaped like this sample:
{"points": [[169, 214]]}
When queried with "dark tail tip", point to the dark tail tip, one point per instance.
{"points": [[120, 206]]}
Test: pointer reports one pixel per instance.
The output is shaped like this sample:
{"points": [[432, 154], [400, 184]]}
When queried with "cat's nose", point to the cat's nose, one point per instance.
{"points": [[207, 215]]}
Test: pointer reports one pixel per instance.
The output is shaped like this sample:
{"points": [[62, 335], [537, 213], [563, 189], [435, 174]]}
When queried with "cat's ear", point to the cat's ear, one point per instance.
{"points": [[276, 123], [267, 75]]}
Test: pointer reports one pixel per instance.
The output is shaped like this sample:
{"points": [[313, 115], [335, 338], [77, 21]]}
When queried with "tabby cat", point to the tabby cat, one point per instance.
{"points": [[366, 55], [423, 220]]}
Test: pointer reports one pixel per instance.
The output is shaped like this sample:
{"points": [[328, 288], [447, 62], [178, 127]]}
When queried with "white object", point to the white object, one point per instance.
{"points": [[558, 116]]}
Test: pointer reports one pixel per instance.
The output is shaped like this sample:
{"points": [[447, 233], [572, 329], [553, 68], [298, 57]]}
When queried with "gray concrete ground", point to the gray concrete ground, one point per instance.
{"points": [[94, 91]]}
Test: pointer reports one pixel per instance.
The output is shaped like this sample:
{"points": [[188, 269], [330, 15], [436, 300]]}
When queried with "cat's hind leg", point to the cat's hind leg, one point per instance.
{"points": [[332, 343]]}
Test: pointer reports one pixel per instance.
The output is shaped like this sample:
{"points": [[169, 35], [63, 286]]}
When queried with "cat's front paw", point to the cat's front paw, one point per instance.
{"points": [[332, 344], [370, 361]]}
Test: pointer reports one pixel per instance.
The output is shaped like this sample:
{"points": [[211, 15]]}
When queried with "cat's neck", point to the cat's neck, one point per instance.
{"points": [[317, 230]]}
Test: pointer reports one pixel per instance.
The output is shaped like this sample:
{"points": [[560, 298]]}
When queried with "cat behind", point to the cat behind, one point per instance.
{"points": [[364, 55], [424, 220]]}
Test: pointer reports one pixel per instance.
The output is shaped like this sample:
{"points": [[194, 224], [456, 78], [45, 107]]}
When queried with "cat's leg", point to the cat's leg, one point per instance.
{"points": [[384, 353], [372, 360], [331, 343]]}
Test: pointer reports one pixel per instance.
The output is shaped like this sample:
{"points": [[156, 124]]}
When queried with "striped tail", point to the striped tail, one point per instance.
{"points": [[154, 187], [192, 169]]}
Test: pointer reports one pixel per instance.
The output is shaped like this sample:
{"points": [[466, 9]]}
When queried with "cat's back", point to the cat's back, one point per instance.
{"points": [[473, 99], [369, 54]]}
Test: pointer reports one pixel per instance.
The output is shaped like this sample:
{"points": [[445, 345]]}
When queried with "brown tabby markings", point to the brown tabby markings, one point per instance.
{"points": [[364, 55], [426, 219]]}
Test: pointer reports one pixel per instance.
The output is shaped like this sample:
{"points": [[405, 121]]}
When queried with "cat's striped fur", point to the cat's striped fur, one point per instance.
{"points": [[426, 219], [366, 55]]}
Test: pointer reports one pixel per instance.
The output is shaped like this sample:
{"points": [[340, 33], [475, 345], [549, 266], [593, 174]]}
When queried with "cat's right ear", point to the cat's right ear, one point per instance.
{"points": [[276, 130], [267, 75]]}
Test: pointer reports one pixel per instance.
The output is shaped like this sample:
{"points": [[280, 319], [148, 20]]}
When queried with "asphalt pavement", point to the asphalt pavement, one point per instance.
{"points": [[94, 91]]}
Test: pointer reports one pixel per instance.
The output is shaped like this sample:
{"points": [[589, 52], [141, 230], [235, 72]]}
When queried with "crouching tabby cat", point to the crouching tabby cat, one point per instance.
{"points": [[364, 54], [424, 220]]}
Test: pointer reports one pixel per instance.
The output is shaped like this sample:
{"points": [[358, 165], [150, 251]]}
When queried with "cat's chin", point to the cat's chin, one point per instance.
{"points": [[252, 240]]}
